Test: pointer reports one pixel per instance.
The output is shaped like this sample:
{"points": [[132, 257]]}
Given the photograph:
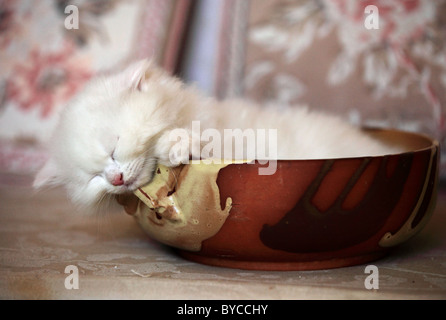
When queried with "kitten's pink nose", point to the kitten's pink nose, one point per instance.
{"points": [[118, 179]]}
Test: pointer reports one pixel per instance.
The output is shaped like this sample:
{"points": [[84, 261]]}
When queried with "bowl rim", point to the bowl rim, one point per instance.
{"points": [[428, 143]]}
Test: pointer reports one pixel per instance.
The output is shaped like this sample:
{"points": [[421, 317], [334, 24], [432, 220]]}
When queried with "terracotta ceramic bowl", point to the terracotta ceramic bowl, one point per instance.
{"points": [[310, 214]]}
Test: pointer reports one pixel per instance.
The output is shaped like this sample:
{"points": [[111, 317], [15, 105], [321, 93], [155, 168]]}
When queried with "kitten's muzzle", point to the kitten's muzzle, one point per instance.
{"points": [[117, 179]]}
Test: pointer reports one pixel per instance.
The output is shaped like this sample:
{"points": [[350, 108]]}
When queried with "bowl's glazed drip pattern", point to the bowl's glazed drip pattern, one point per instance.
{"points": [[181, 206], [305, 228], [422, 210]]}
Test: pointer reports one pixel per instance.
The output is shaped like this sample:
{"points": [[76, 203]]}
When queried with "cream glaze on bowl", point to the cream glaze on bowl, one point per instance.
{"points": [[182, 205]]}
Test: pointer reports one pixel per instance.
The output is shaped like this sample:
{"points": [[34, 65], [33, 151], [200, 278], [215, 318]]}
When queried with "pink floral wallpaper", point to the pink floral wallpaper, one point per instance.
{"points": [[46, 80]]}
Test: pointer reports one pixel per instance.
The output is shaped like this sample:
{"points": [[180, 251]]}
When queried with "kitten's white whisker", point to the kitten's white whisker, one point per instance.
{"points": [[175, 177]]}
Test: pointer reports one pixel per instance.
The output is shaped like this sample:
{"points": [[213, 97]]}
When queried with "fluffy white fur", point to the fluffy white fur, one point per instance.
{"points": [[111, 136]]}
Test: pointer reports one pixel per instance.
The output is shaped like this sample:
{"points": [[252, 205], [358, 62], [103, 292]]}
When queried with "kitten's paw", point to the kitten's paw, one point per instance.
{"points": [[173, 147]]}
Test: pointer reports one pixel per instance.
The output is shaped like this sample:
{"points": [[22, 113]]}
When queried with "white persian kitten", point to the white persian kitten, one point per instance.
{"points": [[111, 136]]}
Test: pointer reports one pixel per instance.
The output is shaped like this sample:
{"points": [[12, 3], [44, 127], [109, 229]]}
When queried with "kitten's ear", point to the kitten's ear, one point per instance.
{"points": [[139, 73], [46, 176]]}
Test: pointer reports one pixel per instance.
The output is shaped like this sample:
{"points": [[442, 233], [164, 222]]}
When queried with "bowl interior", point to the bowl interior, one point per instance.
{"points": [[410, 142]]}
